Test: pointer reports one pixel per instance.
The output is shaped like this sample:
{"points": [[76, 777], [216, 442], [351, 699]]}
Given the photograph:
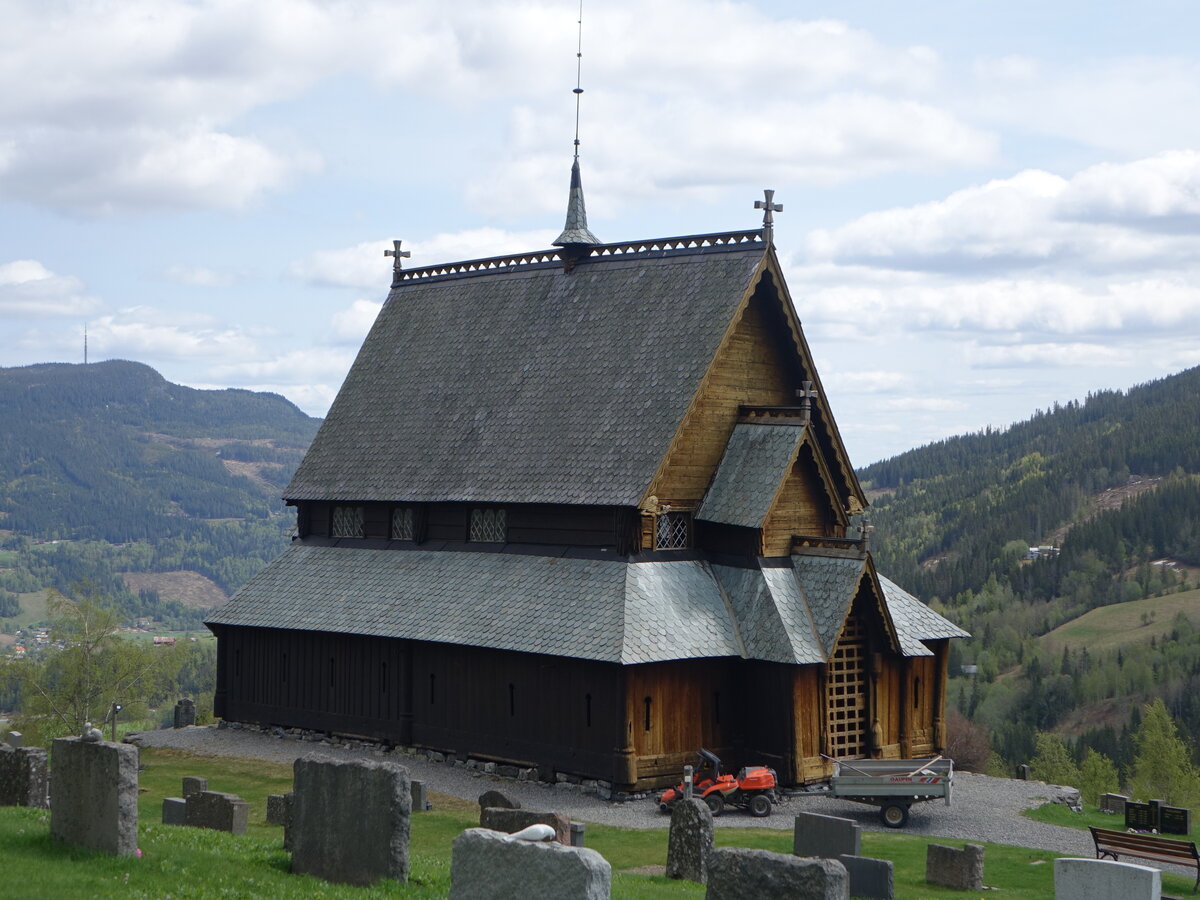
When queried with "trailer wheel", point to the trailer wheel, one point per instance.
{"points": [[716, 803], [760, 806], [894, 815]]}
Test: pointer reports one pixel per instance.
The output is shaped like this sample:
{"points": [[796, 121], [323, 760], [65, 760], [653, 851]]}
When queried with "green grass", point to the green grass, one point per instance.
{"points": [[194, 863], [1058, 814], [1120, 625], [34, 609]]}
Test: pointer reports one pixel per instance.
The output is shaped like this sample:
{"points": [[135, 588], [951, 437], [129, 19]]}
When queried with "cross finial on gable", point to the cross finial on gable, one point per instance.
{"points": [[398, 253], [807, 395], [769, 208]]}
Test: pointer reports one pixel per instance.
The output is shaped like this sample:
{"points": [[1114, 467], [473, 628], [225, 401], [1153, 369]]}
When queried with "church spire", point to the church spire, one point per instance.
{"points": [[575, 232]]}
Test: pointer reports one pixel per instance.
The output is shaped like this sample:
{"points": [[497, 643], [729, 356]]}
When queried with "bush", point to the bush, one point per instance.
{"points": [[1097, 776], [968, 743], [1052, 762]]}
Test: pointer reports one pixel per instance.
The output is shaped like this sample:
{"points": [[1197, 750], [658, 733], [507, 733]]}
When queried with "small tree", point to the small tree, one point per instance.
{"points": [[1097, 776], [1162, 764], [94, 669], [967, 743], [1052, 761]]}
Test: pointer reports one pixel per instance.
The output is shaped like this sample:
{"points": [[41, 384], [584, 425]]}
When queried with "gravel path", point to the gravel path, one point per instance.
{"points": [[984, 809]]}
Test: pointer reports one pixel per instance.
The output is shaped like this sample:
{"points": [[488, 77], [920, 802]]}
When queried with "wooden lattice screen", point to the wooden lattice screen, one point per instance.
{"points": [[846, 693]]}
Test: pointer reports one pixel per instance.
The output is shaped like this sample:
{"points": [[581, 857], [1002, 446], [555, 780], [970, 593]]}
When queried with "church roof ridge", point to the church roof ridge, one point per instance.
{"points": [[656, 248]]}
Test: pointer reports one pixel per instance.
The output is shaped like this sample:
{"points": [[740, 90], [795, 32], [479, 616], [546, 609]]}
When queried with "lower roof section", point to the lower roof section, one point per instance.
{"points": [[610, 610]]}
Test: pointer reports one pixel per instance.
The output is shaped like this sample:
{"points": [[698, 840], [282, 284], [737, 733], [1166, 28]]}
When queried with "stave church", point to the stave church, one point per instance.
{"points": [[587, 509]]}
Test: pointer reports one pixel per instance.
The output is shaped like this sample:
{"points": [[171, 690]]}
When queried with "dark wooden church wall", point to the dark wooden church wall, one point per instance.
{"points": [[674, 709], [520, 707], [349, 684]]}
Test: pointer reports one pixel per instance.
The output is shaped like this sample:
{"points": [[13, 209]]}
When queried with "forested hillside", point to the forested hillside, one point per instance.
{"points": [[109, 468], [1113, 485]]}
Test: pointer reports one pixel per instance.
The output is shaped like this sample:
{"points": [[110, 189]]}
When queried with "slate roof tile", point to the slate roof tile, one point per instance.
{"points": [[526, 386], [757, 459], [914, 621], [613, 611], [829, 584]]}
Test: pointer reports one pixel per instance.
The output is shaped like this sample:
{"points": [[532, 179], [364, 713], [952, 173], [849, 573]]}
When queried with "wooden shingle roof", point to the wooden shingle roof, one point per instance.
{"points": [[529, 384]]}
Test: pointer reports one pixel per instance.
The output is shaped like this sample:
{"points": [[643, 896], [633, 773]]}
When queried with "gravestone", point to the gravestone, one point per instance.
{"points": [[1175, 820], [420, 801], [24, 777], [1140, 816], [193, 785], [174, 811], [1113, 803], [578, 830], [15, 739], [485, 865], [497, 800], [1104, 879], [690, 840], [827, 837], [1023, 772], [350, 820], [93, 795], [276, 809], [218, 811], [870, 879], [185, 713], [950, 867], [513, 820], [736, 873], [289, 800]]}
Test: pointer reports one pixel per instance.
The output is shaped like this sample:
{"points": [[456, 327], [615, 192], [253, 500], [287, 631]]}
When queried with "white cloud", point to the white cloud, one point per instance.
{"points": [[352, 324], [1052, 355], [198, 276], [365, 267], [144, 333], [29, 289]]}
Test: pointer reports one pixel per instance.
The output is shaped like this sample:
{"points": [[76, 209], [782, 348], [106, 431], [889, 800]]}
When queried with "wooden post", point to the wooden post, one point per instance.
{"points": [[905, 708], [939, 709]]}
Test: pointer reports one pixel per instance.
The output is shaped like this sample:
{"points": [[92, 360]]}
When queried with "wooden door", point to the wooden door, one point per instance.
{"points": [[846, 708]]}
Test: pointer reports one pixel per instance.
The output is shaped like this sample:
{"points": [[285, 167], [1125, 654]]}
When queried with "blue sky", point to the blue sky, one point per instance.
{"points": [[989, 207]]}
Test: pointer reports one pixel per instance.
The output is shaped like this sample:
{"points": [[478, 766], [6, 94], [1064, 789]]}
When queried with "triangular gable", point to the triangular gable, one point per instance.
{"points": [[852, 496]]}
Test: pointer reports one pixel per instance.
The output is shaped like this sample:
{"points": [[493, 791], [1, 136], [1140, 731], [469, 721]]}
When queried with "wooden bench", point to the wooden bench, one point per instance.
{"points": [[1115, 844]]}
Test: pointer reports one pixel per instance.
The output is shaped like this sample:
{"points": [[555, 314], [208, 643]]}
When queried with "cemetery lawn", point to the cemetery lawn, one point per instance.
{"points": [[182, 862]]}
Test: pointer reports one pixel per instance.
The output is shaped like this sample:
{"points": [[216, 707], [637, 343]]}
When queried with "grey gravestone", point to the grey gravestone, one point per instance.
{"points": [[485, 865], [289, 800], [1175, 820], [350, 820], [193, 785], [690, 841], [218, 811], [15, 739], [1113, 803], [1023, 772], [497, 800], [1103, 879], [276, 809], [961, 870], [93, 795], [185, 713], [827, 837], [420, 801], [174, 811], [24, 778], [578, 830], [736, 873], [870, 879], [511, 821]]}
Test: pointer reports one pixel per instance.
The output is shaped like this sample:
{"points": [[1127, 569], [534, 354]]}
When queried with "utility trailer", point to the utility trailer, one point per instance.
{"points": [[892, 784]]}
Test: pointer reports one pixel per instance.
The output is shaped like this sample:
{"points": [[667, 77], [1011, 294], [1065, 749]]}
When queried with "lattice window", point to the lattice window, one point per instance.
{"points": [[846, 693], [489, 525], [402, 523], [347, 522], [673, 531]]}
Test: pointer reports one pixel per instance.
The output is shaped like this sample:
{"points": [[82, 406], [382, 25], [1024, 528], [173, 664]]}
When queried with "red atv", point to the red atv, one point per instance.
{"points": [[753, 788]]}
